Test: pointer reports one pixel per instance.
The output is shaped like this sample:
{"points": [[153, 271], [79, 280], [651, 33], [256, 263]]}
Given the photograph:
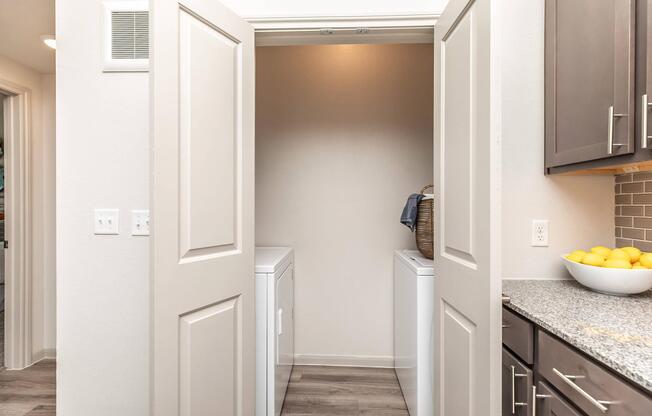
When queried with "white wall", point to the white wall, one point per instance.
{"points": [[343, 136], [286, 8], [102, 281], [42, 94], [580, 208]]}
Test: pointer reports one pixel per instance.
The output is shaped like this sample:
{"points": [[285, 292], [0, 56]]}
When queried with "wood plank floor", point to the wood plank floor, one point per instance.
{"points": [[339, 391], [28, 392]]}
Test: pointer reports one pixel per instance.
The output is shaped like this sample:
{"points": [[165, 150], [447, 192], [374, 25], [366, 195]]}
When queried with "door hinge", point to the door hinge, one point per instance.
{"points": [[6, 244]]}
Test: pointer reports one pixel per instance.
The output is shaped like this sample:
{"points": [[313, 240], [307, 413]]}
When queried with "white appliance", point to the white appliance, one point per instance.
{"points": [[414, 287], [274, 327]]}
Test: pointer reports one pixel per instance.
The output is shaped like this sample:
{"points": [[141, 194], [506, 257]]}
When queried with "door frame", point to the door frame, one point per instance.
{"points": [[315, 30], [18, 225]]}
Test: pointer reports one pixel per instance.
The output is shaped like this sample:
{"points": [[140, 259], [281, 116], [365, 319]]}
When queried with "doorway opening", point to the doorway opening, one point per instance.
{"points": [[344, 134]]}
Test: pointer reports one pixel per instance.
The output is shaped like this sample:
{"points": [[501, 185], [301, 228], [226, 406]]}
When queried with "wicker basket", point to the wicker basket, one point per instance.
{"points": [[424, 230]]}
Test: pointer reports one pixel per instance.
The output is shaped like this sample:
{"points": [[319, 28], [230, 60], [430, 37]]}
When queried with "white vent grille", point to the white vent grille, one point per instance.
{"points": [[129, 34], [125, 45]]}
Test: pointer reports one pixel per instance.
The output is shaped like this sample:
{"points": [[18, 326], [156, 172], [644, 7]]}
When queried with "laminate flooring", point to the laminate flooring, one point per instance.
{"points": [[339, 391], [28, 392]]}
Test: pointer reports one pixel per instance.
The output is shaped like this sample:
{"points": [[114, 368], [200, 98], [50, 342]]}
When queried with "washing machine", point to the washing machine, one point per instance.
{"points": [[414, 286], [274, 327]]}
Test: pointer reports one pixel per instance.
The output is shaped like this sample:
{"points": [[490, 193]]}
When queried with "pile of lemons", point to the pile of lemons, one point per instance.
{"points": [[617, 258]]}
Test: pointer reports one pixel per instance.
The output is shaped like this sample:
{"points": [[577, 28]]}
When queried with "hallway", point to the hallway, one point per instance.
{"points": [[28, 392]]}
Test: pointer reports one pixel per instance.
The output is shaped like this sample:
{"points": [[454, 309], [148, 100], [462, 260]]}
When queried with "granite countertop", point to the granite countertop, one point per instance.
{"points": [[616, 331]]}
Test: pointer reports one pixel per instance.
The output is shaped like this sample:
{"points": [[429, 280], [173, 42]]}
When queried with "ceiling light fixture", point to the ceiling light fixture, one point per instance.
{"points": [[49, 41]]}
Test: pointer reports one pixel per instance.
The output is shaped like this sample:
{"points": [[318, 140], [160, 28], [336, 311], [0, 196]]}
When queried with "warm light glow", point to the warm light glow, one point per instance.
{"points": [[49, 41]]}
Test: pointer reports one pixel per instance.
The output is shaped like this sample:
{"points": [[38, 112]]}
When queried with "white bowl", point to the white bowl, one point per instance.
{"points": [[620, 282]]}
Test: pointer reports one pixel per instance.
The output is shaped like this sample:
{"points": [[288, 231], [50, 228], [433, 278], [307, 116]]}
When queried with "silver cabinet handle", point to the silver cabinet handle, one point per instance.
{"points": [[645, 107], [505, 326], [568, 379], [536, 396], [506, 300], [514, 402], [610, 131]]}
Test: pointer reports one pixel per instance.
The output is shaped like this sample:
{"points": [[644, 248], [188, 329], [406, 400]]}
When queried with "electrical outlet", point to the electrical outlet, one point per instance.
{"points": [[539, 233], [140, 222]]}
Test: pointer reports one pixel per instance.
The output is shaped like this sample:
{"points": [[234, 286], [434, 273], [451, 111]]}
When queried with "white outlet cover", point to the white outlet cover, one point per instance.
{"points": [[107, 221], [540, 233], [140, 222]]}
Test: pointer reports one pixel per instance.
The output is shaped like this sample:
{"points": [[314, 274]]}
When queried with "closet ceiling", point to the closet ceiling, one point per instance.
{"points": [[22, 22]]}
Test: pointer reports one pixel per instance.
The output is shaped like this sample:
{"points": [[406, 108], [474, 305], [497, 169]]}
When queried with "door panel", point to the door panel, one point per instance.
{"points": [[209, 354], [210, 69], [202, 246], [467, 307]]}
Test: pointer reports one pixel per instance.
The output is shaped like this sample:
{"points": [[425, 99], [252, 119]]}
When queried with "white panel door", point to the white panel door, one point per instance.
{"points": [[202, 245], [467, 302]]}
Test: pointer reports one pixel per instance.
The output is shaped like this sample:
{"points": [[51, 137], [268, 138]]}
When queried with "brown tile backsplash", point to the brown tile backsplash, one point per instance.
{"points": [[633, 210], [632, 188]]}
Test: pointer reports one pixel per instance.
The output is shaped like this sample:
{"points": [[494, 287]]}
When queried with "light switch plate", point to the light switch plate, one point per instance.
{"points": [[107, 221], [140, 222]]}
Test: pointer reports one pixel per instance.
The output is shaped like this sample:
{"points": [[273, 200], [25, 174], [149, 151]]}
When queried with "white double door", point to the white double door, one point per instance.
{"points": [[202, 202]]}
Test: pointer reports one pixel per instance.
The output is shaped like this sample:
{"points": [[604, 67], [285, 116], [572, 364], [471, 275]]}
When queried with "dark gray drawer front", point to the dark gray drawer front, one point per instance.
{"points": [[517, 386], [588, 386], [548, 403], [518, 335]]}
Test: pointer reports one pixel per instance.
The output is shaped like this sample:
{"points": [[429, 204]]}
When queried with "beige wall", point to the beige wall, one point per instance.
{"points": [[579, 208], [343, 136], [102, 281], [43, 194]]}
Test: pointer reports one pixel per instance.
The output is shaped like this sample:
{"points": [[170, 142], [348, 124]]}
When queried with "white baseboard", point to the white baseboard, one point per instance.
{"points": [[379, 361], [48, 353]]}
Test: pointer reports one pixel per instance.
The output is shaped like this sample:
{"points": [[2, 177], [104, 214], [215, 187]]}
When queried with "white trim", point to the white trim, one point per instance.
{"points": [[18, 226], [45, 354], [281, 31], [379, 361]]}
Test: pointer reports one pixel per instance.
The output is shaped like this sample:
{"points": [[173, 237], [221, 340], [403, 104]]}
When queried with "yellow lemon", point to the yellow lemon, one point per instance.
{"points": [[638, 266], [634, 253], [617, 264], [603, 251], [593, 259], [576, 256], [579, 253], [620, 254], [646, 260], [638, 263]]}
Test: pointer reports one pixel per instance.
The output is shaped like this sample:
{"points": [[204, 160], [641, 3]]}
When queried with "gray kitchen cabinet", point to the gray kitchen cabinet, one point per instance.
{"points": [[590, 101], [517, 381], [549, 403]]}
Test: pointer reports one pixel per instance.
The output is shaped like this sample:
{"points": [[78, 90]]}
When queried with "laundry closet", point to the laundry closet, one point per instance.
{"points": [[344, 134]]}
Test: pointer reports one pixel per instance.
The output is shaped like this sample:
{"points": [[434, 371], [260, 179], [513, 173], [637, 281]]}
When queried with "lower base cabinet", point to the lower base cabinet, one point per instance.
{"points": [[517, 386], [548, 403]]}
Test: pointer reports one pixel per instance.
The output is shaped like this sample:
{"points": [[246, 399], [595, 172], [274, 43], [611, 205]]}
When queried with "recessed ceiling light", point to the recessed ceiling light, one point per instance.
{"points": [[49, 41]]}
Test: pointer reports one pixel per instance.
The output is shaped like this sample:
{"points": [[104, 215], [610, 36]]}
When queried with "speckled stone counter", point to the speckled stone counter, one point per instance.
{"points": [[616, 331]]}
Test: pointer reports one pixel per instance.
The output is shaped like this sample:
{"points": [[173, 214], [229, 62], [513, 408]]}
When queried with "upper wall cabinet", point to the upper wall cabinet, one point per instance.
{"points": [[589, 82]]}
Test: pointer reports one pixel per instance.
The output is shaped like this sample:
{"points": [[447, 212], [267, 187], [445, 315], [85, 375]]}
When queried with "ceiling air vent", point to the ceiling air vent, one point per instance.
{"points": [[126, 45]]}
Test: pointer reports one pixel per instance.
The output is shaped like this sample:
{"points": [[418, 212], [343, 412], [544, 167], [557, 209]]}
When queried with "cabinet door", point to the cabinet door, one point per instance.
{"points": [[589, 80], [517, 386], [548, 403], [643, 76]]}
